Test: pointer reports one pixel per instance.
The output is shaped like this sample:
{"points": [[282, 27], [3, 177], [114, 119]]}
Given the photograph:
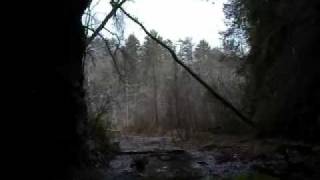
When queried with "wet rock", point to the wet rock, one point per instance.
{"points": [[202, 163], [169, 162], [165, 157], [140, 163], [225, 157]]}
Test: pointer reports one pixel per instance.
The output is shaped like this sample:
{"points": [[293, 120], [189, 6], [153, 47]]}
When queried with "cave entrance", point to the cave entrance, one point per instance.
{"points": [[134, 84], [150, 93], [171, 101]]}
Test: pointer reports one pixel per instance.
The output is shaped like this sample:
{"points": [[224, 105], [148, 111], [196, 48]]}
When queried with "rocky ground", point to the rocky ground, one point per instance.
{"points": [[226, 157]]}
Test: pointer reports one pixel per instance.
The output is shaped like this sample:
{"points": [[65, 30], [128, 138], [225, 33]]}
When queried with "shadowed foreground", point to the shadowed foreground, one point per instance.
{"points": [[228, 158]]}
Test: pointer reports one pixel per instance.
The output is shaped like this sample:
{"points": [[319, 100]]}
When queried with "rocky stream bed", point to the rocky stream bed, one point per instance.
{"points": [[160, 158]]}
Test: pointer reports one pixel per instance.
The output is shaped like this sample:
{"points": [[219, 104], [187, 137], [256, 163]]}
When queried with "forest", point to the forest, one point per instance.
{"points": [[158, 97], [93, 104], [145, 91]]}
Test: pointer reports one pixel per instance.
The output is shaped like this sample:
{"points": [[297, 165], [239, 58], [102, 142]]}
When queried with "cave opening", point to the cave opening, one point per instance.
{"points": [[155, 95], [256, 101]]}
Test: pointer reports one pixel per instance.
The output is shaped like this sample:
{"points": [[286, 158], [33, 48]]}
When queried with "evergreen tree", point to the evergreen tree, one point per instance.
{"points": [[185, 50], [132, 46], [202, 50], [151, 57]]}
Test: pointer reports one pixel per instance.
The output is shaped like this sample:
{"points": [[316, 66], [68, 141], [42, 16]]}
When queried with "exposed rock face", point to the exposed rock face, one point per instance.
{"points": [[285, 67], [48, 102]]}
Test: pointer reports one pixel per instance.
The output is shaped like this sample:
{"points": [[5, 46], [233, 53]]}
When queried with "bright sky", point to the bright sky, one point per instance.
{"points": [[173, 19]]}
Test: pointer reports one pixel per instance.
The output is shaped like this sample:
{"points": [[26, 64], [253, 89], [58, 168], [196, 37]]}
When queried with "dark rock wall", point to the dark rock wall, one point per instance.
{"points": [[46, 88], [285, 65]]}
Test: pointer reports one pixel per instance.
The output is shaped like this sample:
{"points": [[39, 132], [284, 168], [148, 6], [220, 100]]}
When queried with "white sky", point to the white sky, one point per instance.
{"points": [[173, 19]]}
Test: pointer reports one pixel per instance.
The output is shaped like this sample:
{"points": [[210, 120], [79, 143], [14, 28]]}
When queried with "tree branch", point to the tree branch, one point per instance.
{"points": [[115, 7], [113, 55], [193, 74], [104, 28]]}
